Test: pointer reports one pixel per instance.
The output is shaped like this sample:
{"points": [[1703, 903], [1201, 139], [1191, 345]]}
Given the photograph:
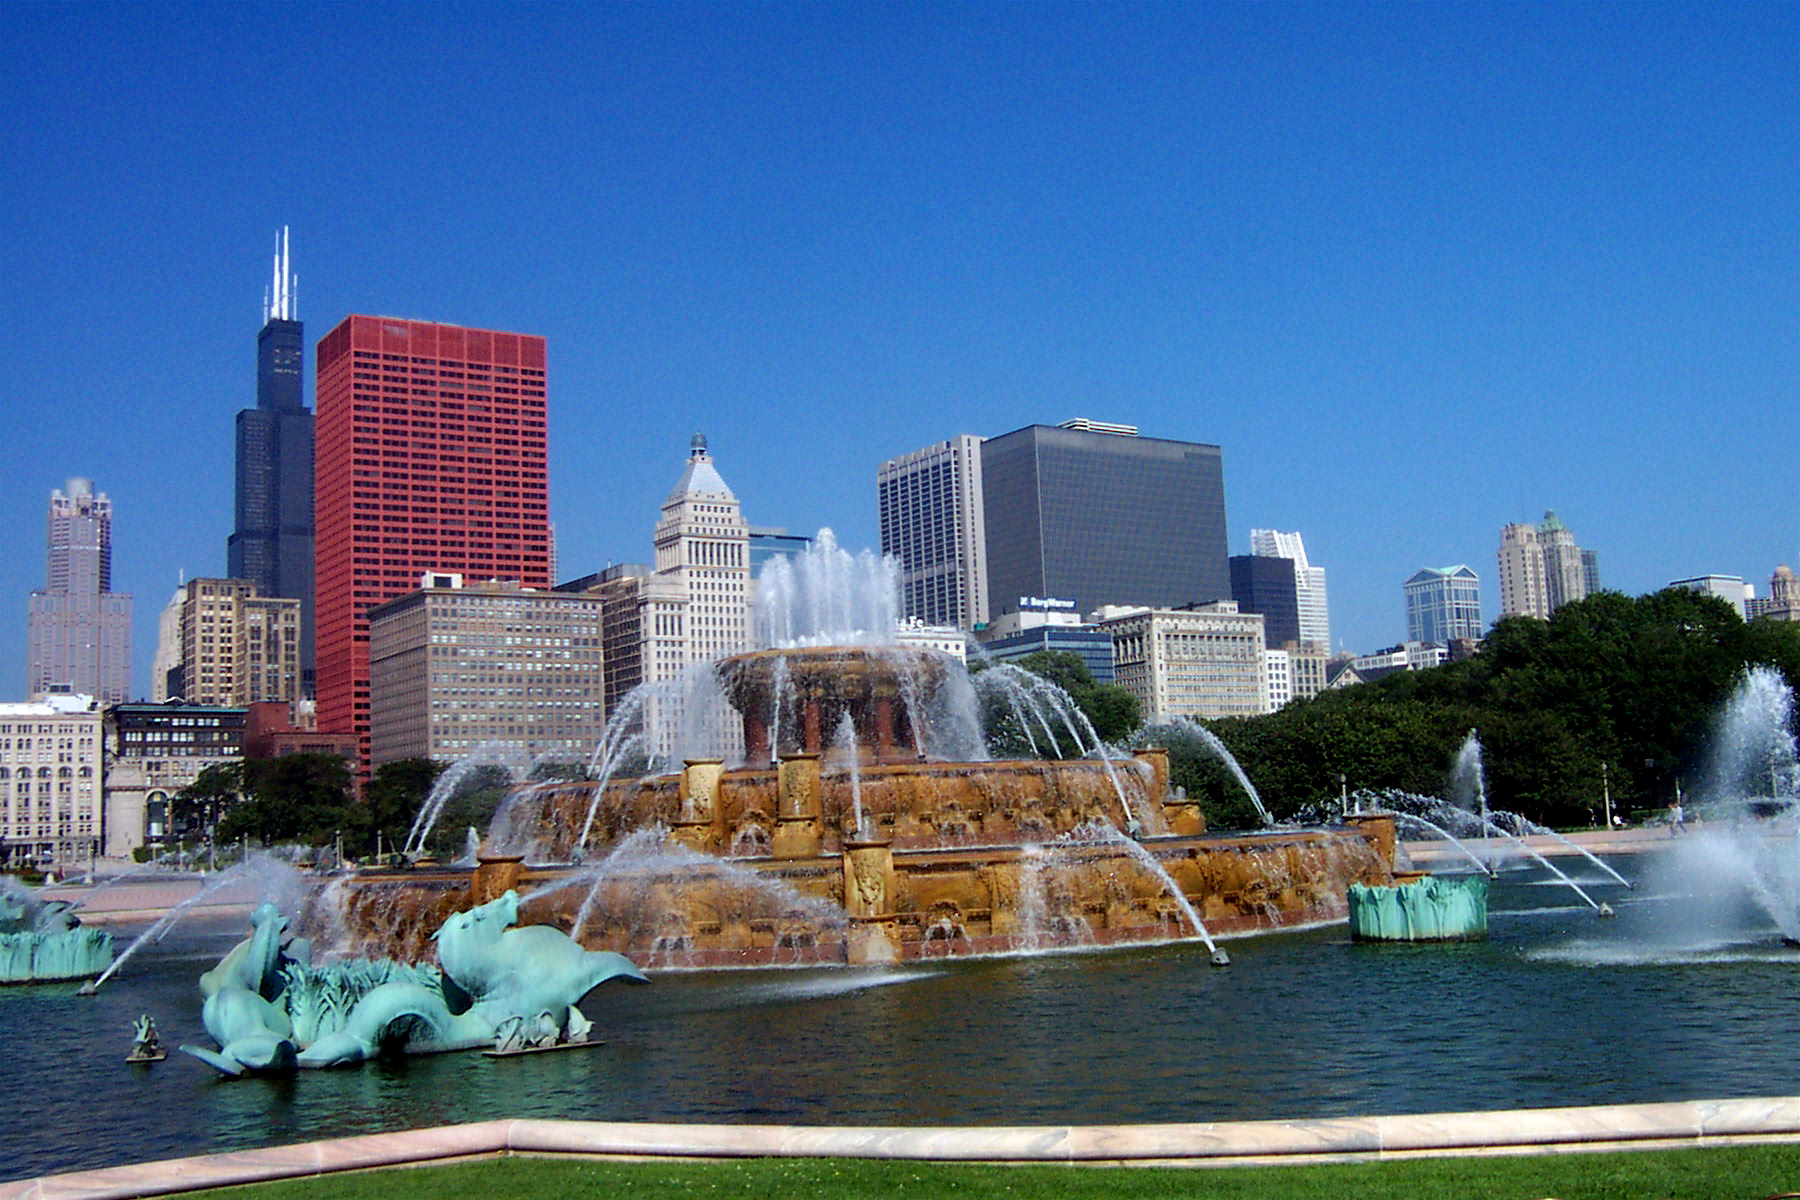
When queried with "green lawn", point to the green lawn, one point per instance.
{"points": [[1722, 1173]]}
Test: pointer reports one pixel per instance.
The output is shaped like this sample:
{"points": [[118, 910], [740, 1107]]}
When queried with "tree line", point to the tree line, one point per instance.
{"points": [[1613, 694]]}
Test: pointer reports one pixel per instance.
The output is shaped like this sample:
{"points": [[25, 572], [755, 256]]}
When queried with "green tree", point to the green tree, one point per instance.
{"points": [[1613, 687], [1111, 710], [295, 797], [198, 808], [470, 805], [395, 794]]}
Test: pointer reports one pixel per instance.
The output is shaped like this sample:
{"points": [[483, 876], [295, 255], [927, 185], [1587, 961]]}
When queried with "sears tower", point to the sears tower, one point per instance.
{"points": [[272, 544]]}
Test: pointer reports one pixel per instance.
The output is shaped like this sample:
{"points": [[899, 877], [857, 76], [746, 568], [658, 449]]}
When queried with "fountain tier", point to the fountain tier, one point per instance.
{"points": [[748, 867], [790, 699]]}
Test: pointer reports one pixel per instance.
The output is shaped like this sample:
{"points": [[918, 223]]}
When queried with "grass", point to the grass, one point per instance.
{"points": [[1714, 1173]]}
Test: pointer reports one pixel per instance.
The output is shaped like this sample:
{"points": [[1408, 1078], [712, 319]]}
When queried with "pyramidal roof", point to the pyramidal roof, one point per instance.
{"points": [[700, 478], [1552, 522]]}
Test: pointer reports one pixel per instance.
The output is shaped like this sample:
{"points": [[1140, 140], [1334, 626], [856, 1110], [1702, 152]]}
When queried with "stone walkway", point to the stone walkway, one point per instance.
{"points": [[1236, 1143]]}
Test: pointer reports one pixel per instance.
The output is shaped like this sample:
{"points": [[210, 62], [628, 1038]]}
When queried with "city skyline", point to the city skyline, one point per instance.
{"points": [[1418, 278]]}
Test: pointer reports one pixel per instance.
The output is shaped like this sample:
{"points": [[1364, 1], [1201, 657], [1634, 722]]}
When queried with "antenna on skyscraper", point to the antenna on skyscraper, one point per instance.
{"points": [[279, 299]]}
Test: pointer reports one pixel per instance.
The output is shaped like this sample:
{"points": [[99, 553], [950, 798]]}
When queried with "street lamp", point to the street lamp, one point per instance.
{"points": [[1344, 792]]}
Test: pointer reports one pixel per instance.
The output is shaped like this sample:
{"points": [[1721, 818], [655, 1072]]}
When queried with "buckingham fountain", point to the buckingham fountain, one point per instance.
{"points": [[849, 812], [836, 807]]}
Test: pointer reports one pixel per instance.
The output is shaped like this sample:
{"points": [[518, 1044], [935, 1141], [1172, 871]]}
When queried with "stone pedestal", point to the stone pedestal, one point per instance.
{"points": [[1157, 759], [873, 934], [495, 875], [757, 751], [799, 808], [700, 822], [1378, 827]]}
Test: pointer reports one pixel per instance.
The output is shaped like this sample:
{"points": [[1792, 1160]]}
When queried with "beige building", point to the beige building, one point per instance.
{"points": [[1565, 580], [1306, 670], [51, 801], [691, 606], [1205, 661], [1521, 557], [1542, 569], [1784, 595], [238, 647], [514, 672]]}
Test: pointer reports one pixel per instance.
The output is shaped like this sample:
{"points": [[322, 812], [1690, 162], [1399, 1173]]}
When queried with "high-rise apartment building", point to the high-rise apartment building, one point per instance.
{"points": [[454, 668], [1309, 584], [1204, 661], [1522, 591], [1542, 569], [1090, 512], [432, 456], [1565, 580], [238, 646], [271, 543], [1443, 603], [932, 523], [80, 629]]}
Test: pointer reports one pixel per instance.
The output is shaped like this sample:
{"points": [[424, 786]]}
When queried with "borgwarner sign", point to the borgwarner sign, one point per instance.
{"points": [[1042, 602]]}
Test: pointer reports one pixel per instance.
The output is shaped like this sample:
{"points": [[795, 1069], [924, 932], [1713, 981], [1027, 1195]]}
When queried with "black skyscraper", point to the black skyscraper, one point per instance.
{"points": [[1268, 586], [1081, 512], [272, 544]]}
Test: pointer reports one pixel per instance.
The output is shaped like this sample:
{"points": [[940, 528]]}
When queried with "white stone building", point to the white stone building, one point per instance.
{"points": [[1521, 561], [691, 606], [51, 762], [1204, 661]]}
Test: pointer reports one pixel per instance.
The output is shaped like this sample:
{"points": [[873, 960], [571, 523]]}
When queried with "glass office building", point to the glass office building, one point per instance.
{"points": [[1443, 603], [1268, 586], [1085, 513]]}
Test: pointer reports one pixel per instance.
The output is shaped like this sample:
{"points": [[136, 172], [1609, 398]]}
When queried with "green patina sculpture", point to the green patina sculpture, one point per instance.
{"points": [[43, 940], [1437, 908], [273, 1010]]}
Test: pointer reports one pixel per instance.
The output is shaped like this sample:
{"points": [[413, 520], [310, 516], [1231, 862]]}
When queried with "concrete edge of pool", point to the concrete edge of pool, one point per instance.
{"points": [[1227, 1143]]}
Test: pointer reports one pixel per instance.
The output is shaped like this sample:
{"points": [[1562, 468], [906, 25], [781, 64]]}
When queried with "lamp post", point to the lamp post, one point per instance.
{"points": [[1606, 795], [1344, 793]]}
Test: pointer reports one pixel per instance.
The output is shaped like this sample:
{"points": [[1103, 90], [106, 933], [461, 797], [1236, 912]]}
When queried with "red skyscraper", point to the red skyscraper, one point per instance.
{"points": [[431, 456]]}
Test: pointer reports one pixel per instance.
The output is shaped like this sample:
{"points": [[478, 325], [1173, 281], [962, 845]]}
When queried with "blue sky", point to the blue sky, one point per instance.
{"points": [[1420, 269]]}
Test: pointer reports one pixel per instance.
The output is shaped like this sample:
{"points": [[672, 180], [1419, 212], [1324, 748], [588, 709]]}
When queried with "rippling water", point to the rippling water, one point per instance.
{"points": [[1557, 1007]]}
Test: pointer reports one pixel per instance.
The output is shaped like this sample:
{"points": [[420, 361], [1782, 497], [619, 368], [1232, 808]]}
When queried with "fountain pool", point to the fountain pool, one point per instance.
{"points": [[1553, 1008]]}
